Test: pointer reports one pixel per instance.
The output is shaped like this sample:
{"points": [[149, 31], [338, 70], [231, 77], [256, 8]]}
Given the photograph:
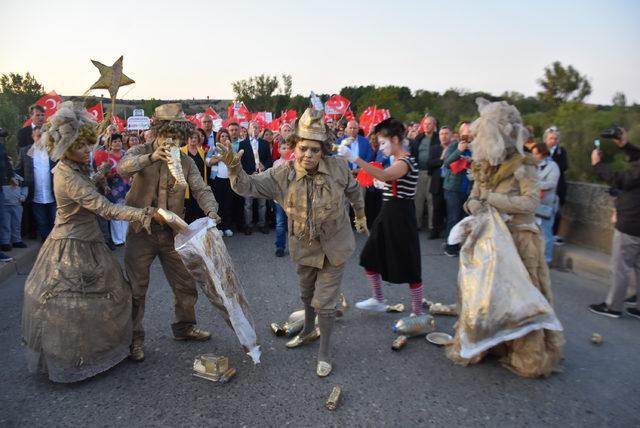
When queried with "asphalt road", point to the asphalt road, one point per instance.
{"points": [[416, 386]]}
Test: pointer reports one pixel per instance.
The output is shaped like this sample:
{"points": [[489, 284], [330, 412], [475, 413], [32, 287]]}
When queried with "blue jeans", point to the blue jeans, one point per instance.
{"points": [[281, 227], [547, 230], [455, 208], [12, 223], [45, 216]]}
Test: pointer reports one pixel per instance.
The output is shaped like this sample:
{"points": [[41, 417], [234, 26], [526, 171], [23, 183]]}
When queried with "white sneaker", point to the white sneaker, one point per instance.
{"points": [[228, 232], [372, 305]]}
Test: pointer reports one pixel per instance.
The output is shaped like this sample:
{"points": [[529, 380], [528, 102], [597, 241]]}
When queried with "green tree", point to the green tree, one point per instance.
{"points": [[561, 84], [17, 93], [259, 92], [619, 99], [21, 91], [149, 106]]}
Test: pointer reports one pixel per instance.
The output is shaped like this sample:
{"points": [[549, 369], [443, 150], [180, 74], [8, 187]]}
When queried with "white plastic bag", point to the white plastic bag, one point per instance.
{"points": [[498, 301], [205, 256]]}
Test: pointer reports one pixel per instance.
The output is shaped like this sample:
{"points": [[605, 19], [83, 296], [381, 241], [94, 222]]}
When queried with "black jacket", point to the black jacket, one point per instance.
{"points": [[6, 170], [25, 169], [249, 162], [434, 163], [414, 144], [628, 183], [24, 137], [560, 158]]}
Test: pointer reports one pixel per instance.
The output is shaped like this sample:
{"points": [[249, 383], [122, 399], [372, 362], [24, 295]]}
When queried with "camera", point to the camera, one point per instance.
{"points": [[3, 133], [614, 132]]}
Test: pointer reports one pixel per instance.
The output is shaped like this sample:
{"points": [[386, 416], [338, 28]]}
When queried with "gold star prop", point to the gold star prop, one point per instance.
{"points": [[111, 78]]}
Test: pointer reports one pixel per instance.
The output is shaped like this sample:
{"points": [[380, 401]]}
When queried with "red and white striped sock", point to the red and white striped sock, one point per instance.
{"points": [[376, 284], [415, 288]]}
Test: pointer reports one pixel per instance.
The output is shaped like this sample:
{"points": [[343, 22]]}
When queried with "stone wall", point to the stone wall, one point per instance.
{"points": [[586, 216]]}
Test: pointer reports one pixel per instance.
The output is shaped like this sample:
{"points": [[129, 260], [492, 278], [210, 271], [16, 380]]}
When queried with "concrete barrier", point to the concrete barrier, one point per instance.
{"points": [[586, 216]]}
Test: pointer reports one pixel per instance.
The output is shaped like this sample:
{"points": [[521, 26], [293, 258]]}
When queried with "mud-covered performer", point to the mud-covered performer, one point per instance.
{"points": [[311, 189], [161, 175], [76, 320]]}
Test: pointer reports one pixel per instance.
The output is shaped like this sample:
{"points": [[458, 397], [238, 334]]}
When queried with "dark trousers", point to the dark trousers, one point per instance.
{"points": [[237, 203], [45, 215], [455, 208], [28, 220], [221, 188], [439, 211]]}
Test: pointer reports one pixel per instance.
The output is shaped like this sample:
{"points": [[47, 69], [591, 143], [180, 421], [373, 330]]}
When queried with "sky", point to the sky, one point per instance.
{"points": [[194, 49]]}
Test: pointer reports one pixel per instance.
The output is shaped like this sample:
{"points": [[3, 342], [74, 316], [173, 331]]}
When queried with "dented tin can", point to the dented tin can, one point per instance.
{"points": [[334, 398], [596, 339], [397, 308], [228, 375], [277, 329], [399, 343]]}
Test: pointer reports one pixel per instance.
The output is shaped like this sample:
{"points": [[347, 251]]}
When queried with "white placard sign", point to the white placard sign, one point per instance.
{"points": [[138, 112], [138, 123]]}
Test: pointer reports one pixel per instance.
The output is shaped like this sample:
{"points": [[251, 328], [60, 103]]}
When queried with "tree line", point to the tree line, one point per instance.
{"points": [[560, 102]]}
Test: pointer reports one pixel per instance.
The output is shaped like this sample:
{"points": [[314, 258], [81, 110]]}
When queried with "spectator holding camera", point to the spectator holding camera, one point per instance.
{"points": [[625, 256]]}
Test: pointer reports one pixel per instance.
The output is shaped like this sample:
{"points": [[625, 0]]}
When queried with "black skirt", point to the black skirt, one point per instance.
{"points": [[393, 247]]}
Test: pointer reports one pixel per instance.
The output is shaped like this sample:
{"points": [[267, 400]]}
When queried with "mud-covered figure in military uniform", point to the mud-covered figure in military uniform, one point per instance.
{"points": [[76, 320], [161, 174], [507, 180], [311, 189]]}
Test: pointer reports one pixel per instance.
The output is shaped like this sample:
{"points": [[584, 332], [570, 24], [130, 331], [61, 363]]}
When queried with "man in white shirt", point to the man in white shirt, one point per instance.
{"points": [[44, 203]]}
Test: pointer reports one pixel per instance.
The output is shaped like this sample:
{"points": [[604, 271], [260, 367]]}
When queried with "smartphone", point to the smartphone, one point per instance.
{"points": [[596, 143]]}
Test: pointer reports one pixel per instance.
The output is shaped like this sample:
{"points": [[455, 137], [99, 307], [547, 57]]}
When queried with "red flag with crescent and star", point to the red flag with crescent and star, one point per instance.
{"points": [[195, 119], [211, 112], [336, 105], [239, 111], [120, 123], [288, 116], [97, 112], [49, 102]]}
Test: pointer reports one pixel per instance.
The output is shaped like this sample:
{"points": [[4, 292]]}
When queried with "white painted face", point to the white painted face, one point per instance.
{"points": [[385, 145]]}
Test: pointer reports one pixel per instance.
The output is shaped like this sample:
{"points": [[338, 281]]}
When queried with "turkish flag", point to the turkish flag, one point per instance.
{"points": [[274, 125], [366, 118], [120, 123], [211, 112], [263, 118], [195, 119], [336, 105], [238, 110], [96, 112], [288, 116], [460, 165], [371, 117], [50, 102], [349, 115]]}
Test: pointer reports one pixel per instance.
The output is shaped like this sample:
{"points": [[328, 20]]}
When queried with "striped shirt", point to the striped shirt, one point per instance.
{"points": [[404, 187]]}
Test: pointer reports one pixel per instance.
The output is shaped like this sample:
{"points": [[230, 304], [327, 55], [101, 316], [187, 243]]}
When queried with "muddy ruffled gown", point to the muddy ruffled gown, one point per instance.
{"points": [[76, 319]]}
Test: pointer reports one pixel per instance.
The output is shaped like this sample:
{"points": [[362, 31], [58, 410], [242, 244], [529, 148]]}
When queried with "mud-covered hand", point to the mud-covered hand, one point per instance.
{"points": [[474, 206], [214, 216], [346, 153], [157, 217], [361, 225], [226, 155], [161, 153]]}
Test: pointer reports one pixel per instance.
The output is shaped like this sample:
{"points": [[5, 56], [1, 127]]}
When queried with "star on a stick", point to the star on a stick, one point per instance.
{"points": [[111, 78]]}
